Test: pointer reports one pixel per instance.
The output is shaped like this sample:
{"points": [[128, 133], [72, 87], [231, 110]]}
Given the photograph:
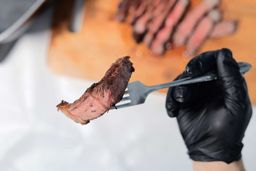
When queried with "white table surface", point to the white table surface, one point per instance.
{"points": [[35, 137]]}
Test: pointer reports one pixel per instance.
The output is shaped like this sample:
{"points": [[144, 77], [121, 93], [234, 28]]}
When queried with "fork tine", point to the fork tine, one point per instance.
{"points": [[120, 106], [125, 98], [123, 105]]}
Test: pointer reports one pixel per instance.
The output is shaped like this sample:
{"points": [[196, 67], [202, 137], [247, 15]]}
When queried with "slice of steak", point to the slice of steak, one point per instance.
{"points": [[160, 7], [139, 11], [202, 32], [140, 27], [123, 9], [165, 34], [133, 8], [126, 9], [101, 96], [191, 20], [158, 22], [224, 28]]}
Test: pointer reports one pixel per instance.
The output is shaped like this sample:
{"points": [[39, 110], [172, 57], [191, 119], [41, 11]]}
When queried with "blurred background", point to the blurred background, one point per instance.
{"points": [[53, 50]]}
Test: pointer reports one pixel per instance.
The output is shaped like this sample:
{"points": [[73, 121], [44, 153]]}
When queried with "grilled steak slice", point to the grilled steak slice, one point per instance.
{"points": [[158, 22], [165, 34], [161, 6], [224, 28], [133, 9], [101, 96], [123, 9], [191, 20], [202, 32], [140, 26], [139, 11], [126, 8]]}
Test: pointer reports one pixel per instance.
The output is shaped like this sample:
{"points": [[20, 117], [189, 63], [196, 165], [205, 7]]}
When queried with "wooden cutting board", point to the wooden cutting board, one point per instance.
{"points": [[90, 52]]}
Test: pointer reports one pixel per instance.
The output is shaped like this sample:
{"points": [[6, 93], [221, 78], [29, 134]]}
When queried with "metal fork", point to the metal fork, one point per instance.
{"points": [[136, 92]]}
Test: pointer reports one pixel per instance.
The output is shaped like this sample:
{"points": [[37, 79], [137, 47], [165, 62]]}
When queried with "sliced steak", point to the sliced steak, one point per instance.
{"points": [[191, 20], [165, 34], [126, 9], [123, 9], [202, 32], [224, 28], [140, 26], [158, 22], [133, 9], [139, 11], [160, 8], [101, 96]]}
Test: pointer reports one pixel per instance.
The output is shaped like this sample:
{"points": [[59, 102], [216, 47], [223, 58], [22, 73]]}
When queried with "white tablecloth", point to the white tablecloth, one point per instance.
{"points": [[35, 137]]}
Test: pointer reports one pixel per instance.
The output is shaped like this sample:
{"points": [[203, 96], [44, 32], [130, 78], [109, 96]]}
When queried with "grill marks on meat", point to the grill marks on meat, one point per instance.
{"points": [[101, 96], [158, 45], [191, 20], [202, 32], [164, 24]]}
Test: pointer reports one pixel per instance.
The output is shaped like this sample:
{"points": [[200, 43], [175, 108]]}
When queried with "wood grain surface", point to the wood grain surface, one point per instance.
{"points": [[90, 52]]}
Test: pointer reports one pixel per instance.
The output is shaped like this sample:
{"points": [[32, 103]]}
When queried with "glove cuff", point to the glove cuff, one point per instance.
{"points": [[208, 159], [228, 156]]}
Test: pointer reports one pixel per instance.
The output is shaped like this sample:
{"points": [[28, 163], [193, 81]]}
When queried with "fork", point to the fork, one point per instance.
{"points": [[136, 92]]}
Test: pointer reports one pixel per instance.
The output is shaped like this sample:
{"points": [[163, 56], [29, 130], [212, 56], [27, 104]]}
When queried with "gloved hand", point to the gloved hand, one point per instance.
{"points": [[212, 116]]}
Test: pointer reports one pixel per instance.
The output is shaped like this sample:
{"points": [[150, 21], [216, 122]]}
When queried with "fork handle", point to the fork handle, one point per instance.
{"points": [[243, 68]]}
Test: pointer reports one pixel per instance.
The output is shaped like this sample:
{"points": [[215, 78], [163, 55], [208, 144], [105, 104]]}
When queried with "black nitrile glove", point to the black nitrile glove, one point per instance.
{"points": [[212, 116]]}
